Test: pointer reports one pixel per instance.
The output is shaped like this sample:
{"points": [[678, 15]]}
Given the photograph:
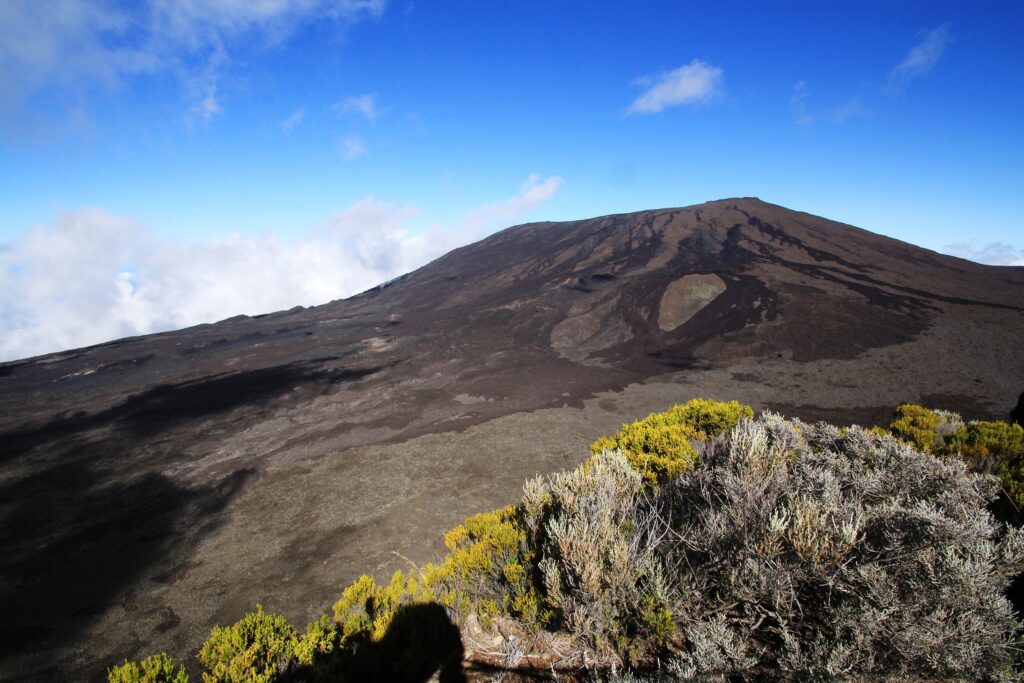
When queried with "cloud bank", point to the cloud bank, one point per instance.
{"points": [[95, 275], [689, 84]]}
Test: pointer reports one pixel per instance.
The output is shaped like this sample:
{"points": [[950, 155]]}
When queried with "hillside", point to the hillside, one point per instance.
{"points": [[156, 486]]}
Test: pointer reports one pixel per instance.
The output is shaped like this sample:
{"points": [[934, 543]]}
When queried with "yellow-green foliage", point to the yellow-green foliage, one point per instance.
{"points": [[996, 447], [482, 543], [998, 440], [318, 648], [657, 620], [988, 447], [660, 446], [253, 650], [366, 609], [489, 559], [917, 426], [153, 669], [710, 418]]}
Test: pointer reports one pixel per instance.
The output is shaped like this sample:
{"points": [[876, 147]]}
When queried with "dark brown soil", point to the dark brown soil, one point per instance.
{"points": [[153, 487]]}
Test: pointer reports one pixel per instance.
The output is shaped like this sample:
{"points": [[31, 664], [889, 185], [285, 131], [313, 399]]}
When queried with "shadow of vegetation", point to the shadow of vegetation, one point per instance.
{"points": [[168, 405], [85, 510], [422, 641], [75, 537]]}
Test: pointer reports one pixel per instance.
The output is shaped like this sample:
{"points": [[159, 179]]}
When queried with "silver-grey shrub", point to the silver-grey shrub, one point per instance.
{"points": [[839, 552], [791, 550], [599, 568]]}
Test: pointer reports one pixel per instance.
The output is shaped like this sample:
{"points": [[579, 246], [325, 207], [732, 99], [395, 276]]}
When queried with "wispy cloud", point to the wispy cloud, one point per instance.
{"points": [[208, 107], [94, 275], [798, 103], [993, 253], [689, 84], [533, 191], [70, 47], [804, 115], [293, 120], [922, 58], [353, 147], [365, 105]]}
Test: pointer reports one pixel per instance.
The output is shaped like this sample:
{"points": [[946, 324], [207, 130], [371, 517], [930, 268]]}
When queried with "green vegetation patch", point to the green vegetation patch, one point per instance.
{"points": [[661, 446]]}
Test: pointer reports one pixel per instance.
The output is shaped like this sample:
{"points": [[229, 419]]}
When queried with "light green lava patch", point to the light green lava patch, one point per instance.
{"points": [[684, 297]]}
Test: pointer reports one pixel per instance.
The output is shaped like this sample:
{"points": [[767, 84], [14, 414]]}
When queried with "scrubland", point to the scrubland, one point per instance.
{"points": [[701, 542]]}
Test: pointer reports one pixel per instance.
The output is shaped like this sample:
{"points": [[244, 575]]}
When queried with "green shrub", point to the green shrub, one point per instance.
{"points": [[319, 649], [254, 650], [661, 446], [917, 426], [156, 668], [986, 447], [366, 609]]}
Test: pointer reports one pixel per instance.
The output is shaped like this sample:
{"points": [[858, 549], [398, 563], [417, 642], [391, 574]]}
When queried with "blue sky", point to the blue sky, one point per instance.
{"points": [[167, 162]]}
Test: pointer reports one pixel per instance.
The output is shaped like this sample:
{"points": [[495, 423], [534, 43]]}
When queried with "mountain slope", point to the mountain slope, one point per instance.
{"points": [[157, 485]]}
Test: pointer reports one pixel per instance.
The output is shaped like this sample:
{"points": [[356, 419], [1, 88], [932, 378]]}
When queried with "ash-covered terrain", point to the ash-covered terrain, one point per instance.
{"points": [[153, 487]]}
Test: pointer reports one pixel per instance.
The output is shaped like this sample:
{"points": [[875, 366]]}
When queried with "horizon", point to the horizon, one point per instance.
{"points": [[170, 164]]}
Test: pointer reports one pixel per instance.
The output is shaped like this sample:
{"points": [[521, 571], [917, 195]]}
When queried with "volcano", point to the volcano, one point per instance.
{"points": [[155, 486]]}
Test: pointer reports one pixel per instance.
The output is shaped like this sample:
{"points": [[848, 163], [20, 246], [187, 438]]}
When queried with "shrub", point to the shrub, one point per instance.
{"points": [[704, 542], [492, 566], [816, 552], [986, 447], [153, 669], [600, 574], [367, 609], [791, 549], [917, 426], [660, 446], [254, 650], [319, 649]]}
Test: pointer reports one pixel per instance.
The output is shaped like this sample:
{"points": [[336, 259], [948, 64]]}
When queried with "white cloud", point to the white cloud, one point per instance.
{"points": [[94, 275], [689, 84], [922, 58], [74, 46], [353, 147], [532, 192], [364, 105], [993, 253], [293, 120]]}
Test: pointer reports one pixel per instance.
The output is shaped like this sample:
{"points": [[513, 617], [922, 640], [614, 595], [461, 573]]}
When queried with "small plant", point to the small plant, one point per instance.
{"points": [[156, 668], [254, 650]]}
